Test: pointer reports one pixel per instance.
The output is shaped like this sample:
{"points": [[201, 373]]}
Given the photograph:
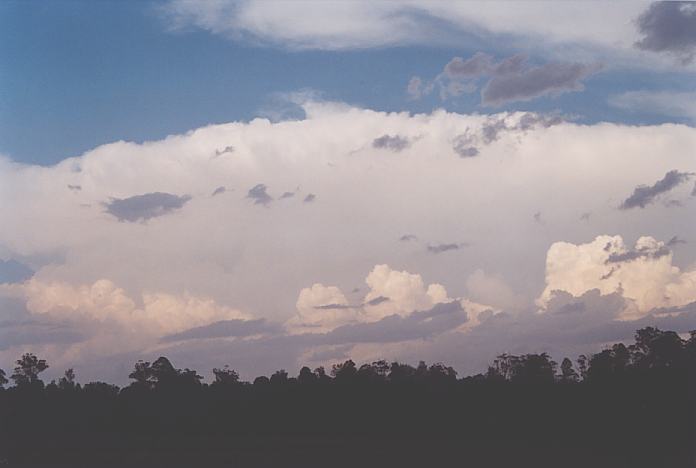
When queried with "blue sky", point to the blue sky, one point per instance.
{"points": [[79, 74]]}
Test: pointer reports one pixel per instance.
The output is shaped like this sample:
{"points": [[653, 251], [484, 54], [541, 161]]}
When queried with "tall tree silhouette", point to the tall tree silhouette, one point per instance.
{"points": [[28, 369], [3, 379]]}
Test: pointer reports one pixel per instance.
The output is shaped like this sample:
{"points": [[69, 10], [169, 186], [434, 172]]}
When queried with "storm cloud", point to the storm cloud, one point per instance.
{"points": [[225, 328], [534, 82], [146, 206], [669, 27], [644, 195]]}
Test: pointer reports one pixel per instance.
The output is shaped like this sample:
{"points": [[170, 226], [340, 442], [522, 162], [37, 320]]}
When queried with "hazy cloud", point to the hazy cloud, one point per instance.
{"points": [[309, 198], [74, 188], [644, 195], [146, 206], [408, 238]]}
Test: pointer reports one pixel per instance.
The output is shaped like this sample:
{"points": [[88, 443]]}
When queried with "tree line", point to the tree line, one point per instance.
{"points": [[634, 402]]}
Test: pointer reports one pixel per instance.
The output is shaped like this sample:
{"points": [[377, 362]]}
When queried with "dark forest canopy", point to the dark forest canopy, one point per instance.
{"points": [[625, 405]]}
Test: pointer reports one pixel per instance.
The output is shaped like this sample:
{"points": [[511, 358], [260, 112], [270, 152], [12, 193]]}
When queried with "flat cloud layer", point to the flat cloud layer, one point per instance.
{"points": [[271, 282]]}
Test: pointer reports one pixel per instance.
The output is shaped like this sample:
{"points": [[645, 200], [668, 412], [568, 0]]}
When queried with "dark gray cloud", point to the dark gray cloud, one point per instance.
{"points": [[226, 329], [465, 145], [377, 300], [35, 332], [394, 143], [644, 195], [371, 302], [511, 79], [675, 240], [259, 194], [334, 306], [395, 328], [631, 255], [309, 198], [468, 144], [669, 27], [408, 238], [12, 271], [146, 206], [226, 149], [439, 248], [74, 188], [287, 195], [219, 191], [534, 82]]}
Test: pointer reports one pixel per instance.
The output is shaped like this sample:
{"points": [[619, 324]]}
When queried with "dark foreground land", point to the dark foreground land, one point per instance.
{"points": [[627, 406]]}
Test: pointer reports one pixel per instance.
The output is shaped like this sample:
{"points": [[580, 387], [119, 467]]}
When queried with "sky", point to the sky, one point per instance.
{"points": [[273, 184]]}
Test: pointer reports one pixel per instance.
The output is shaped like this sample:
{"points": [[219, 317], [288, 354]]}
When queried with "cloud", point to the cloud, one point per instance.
{"points": [[440, 248], [395, 328], [225, 329], [219, 191], [511, 79], [12, 271], [309, 198], [669, 27], [226, 149], [212, 258], [325, 308], [287, 195], [394, 143], [361, 25], [103, 302], [408, 238], [644, 275], [74, 188], [548, 79], [644, 195], [37, 333], [146, 206], [259, 194], [675, 240]]}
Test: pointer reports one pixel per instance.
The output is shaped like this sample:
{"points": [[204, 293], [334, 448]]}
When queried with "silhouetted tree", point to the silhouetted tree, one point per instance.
{"points": [[28, 369], [142, 375], [225, 376], [400, 372], [261, 381], [3, 379], [279, 377], [67, 382], [306, 376], [344, 372]]}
